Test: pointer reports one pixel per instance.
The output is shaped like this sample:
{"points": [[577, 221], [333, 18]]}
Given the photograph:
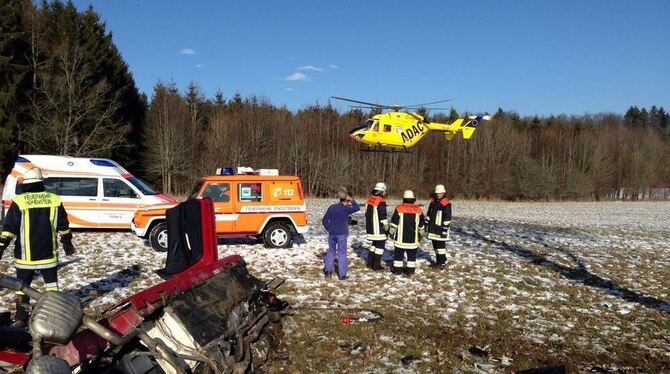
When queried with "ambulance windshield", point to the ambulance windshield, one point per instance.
{"points": [[143, 187]]}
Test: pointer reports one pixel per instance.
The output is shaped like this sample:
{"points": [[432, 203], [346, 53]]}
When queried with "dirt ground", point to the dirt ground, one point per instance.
{"points": [[580, 285]]}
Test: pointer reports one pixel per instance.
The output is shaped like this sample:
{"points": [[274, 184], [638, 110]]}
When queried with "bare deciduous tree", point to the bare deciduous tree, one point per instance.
{"points": [[171, 144], [73, 114]]}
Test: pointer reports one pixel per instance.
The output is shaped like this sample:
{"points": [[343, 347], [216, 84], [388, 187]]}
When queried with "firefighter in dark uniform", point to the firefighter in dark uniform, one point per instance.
{"points": [[34, 219], [407, 225], [376, 226], [438, 224]]}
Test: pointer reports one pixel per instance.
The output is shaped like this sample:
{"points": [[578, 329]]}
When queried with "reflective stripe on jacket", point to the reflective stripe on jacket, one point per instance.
{"points": [[35, 219], [375, 218], [409, 220], [438, 219]]}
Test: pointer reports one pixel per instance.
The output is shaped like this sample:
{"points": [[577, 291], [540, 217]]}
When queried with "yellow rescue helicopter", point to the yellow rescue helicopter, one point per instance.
{"points": [[400, 130]]}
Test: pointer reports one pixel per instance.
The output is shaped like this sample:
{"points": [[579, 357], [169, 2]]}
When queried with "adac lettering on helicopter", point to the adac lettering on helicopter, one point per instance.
{"points": [[413, 131]]}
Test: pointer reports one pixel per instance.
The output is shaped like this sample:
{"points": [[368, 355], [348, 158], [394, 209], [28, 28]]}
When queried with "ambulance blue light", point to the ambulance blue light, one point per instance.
{"points": [[227, 171], [102, 163], [22, 159]]}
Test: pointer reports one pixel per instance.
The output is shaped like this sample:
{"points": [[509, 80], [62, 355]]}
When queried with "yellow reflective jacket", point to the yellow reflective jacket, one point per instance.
{"points": [[34, 219], [408, 219]]}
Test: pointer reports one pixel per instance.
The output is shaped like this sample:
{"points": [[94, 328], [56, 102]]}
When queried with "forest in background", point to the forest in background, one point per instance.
{"points": [[65, 89]]}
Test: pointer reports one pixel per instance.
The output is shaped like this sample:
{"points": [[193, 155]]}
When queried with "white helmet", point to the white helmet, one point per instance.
{"points": [[408, 194], [33, 175], [381, 186], [440, 189]]}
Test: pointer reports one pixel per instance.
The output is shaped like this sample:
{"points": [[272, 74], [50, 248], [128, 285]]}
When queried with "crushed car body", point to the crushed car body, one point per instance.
{"points": [[209, 316]]}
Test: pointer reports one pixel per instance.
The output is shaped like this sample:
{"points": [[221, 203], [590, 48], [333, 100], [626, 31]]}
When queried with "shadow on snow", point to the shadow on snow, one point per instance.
{"points": [[579, 273]]}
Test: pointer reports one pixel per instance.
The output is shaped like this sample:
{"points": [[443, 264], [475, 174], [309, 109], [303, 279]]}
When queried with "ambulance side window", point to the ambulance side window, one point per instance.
{"points": [[50, 184], [117, 188], [72, 186], [250, 192], [218, 192]]}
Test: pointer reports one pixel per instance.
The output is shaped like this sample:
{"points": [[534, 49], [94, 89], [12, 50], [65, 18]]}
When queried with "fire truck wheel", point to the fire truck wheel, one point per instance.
{"points": [[159, 237], [278, 235]]}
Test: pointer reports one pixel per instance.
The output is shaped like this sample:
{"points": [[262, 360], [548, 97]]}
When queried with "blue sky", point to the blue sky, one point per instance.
{"points": [[535, 57]]}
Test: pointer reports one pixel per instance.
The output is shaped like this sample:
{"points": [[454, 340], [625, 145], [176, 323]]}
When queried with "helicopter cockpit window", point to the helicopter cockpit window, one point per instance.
{"points": [[376, 126], [387, 128], [363, 126]]}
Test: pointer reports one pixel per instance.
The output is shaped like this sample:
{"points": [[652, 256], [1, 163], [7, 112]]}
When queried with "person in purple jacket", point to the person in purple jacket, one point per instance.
{"points": [[336, 222]]}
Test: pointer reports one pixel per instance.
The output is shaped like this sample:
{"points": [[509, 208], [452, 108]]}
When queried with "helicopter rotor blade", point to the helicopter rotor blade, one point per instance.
{"points": [[420, 107], [365, 107], [424, 104], [360, 102]]}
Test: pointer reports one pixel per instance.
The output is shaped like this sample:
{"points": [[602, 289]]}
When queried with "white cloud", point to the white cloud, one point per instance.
{"points": [[297, 77], [289, 89], [333, 66], [310, 67], [199, 66], [187, 51]]}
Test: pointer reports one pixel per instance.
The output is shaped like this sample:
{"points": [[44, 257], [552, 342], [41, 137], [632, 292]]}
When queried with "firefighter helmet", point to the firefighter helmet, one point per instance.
{"points": [[33, 175], [381, 186]]}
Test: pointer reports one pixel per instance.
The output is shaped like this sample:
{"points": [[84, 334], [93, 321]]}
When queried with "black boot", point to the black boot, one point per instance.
{"points": [[409, 271], [370, 260], [440, 263], [377, 262]]}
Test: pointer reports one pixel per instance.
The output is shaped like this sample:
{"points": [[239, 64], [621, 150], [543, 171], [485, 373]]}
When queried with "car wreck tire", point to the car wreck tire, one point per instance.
{"points": [[158, 237], [278, 235]]}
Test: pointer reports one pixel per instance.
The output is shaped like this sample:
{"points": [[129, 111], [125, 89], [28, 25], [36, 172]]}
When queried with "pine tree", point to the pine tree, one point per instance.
{"points": [[14, 77], [644, 117], [453, 115], [664, 118], [653, 116], [218, 99], [632, 116]]}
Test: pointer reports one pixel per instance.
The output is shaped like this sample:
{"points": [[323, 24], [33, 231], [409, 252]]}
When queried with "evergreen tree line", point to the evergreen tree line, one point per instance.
{"points": [[64, 89]]}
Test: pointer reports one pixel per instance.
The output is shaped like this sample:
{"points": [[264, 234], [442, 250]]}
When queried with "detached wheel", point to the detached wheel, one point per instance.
{"points": [[278, 235], [158, 237]]}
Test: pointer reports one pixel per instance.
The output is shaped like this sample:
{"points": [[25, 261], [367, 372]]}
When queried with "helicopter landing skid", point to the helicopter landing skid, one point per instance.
{"points": [[381, 149]]}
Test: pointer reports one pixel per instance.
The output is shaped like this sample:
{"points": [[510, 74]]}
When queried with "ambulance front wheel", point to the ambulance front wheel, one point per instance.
{"points": [[278, 235], [158, 237]]}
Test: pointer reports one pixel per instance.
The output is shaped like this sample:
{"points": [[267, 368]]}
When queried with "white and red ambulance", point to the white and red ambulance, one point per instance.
{"points": [[96, 192]]}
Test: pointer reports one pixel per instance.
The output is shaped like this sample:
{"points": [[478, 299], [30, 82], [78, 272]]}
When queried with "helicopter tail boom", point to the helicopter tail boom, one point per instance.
{"points": [[466, 127]]}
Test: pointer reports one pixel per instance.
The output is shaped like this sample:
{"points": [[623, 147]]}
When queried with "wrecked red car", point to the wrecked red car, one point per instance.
{"points": [[209, 316]]}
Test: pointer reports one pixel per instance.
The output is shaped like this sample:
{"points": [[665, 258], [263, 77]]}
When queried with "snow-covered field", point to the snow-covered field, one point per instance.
{"points": [[533, 284]]}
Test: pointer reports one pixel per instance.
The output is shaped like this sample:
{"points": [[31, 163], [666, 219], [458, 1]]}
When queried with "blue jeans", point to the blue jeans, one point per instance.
{"points": [[337, 244]]}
